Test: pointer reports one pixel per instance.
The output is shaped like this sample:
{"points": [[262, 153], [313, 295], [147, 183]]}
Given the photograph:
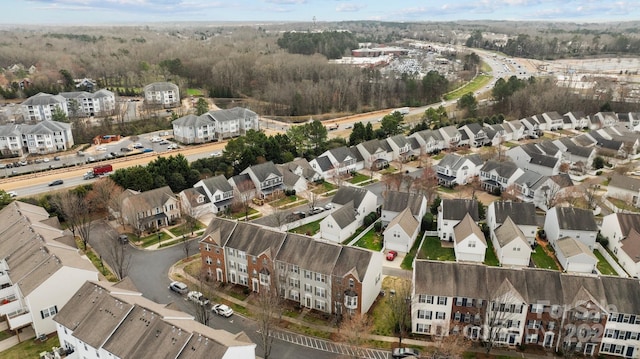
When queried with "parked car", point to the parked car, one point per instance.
{"points": [[258, 201], [300, 214], [2, 165], [101, 148], [164, 142], [91, 159], [178, 287], [391, 255], [23, 163], [315, 210], [12, 194], [147, 150], [216, 154], [123, 239], [80, 153], [125, 149], [137, 145], [45, 160], [405, 353], [156, 139], [56, 183], [197, 297], [222, 310], [328, 206], [172, 146]]}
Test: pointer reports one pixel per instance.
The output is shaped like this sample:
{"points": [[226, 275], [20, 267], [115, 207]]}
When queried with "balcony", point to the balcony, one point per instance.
{"points": [[20, 319]]}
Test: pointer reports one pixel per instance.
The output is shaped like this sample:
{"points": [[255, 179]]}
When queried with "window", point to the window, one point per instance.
{"points": [[531, 338], [350, 301], [537, 308], [49, 312], [207, 247], [472, 244], [429, 299], [422, 298], [423, 328], [208, 260], [456, 317], [351, 283], [442, 300], [440, 315], [294, 268], [424, 314]]}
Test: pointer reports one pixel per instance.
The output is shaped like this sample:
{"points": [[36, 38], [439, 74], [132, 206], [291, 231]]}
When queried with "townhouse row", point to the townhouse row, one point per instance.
{"points": [[319, 275], [41, 138], [589, 315]]}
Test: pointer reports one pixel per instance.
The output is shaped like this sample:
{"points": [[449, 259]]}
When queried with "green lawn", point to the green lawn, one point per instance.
{"points": [[542, 260], [371, 240], [490, 257], [432, 249], [309, 228], [240, 215], [407, 262], [388, 170], [358, 177], [439, 156], [357, 232], [510, 144], [477, 83], [623, 205], [153, 239], [30, 348], [97, 262], [194, 92], [603, 266], [284, 201], [324, 187], [185, 228], [446, 189]]}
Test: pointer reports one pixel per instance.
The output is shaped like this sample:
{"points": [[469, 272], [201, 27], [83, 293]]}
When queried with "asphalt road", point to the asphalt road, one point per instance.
{"points": [[149, 272]]}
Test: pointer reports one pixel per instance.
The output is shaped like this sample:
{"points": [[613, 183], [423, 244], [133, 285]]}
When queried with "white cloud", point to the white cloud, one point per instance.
{"points": [[349, 7]]}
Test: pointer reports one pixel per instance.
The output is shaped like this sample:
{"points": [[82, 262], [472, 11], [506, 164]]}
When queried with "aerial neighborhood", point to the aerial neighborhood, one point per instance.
{"points": [[458, 198]]}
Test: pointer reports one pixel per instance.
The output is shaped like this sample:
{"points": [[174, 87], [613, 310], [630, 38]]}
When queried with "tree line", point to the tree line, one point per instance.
{"points": [[331, 44]]}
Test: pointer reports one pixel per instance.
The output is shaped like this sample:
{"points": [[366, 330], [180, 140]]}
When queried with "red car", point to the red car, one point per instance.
{"points": [[391, 255]]}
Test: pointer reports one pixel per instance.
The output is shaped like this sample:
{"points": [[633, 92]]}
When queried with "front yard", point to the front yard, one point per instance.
{"points": [[309, 229]]}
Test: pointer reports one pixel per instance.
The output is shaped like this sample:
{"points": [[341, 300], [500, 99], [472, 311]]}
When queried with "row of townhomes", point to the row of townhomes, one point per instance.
{"points": [[215, 125], [41, 138], [319, 275], [41, 107], [107, 320], [589, 315]]}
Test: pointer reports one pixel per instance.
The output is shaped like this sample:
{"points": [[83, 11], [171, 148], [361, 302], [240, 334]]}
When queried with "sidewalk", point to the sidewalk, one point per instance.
{"points": [[174, 237], [179, 270]]}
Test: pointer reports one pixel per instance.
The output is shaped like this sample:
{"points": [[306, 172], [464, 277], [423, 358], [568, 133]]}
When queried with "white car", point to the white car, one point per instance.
{"points": [[172, 146], [101, 148], [178, 287], [216, 154], [222, 310], [328, 206], [156, 139], [12, 194], [197, 297]]}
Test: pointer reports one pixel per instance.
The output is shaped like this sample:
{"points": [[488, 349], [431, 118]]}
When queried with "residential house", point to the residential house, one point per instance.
{"points": [[575, 155], [606, 145], [149, 210], [105, 320], [430, 141], [495, 135], [629, 139], [305, 269], [292, 181], [497, 176], [266, 178], [85, 84], [531, 157], [401, 233], [517, 129], [553, 119], [376, 153], [526, 183], [195, 201], [319, 275], [510, 243], [339, 224], [575, 256], [584, 140], [454, 169], [40, 268], [577, 119], [621, 229], [302, 168], [541, 122], [11, 140], [521, 213], [214, 125], [548, 191], [531, 127], [395, 202], [451, 212], [572, 222], [477, 134], [450, 136], [164, 94], [243, 186], [218, 191], [364, 201], [344, 160], [605, 119], [85, 104], [401, 148], [323, 167], [42, 106], [469, 243], [624, 188], [534, 307], [249, 262]]}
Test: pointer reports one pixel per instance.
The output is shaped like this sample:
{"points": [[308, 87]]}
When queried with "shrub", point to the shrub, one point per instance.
{"points": [[378, 226]]}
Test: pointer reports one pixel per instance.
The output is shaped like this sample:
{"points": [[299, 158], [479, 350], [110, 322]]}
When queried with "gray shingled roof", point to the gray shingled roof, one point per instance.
{"points": [[307, 253], [192, 195], [151, 199], [224, 226], [341, 153], [406, 221], [255, 240], [521, 213], [230, 114], [456, 209], [263, 170], [503, 169], [161, 86], [627, 222], [350, 194], [571, 247], [508, 232], [217, 183], [625, 182], [576, 219], [193, 121], [466, 227], [374, 145], [543, 160], [43, 99], [398, 201], [344, 215], [325, 163], [353, 259]]}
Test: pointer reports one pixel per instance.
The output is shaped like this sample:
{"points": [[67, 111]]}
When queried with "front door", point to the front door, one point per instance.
{"points": [[255, 285], [630, 350], [548, 340], [219, 274], [307, 302]]}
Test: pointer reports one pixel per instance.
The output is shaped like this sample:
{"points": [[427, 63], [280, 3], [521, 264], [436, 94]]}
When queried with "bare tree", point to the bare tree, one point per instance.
{"points": [[428, 183], [510, 194], [244, 192], [501, 312], [269, 304], [591, 187], [399, 313], [76, 211], [451, 346], [119, 255], [313, 199], [103, 194], [202, 311], [352, 330]]}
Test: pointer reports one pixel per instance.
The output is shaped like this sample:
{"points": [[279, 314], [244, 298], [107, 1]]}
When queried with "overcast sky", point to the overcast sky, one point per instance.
{"points": [[138, 11]]}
